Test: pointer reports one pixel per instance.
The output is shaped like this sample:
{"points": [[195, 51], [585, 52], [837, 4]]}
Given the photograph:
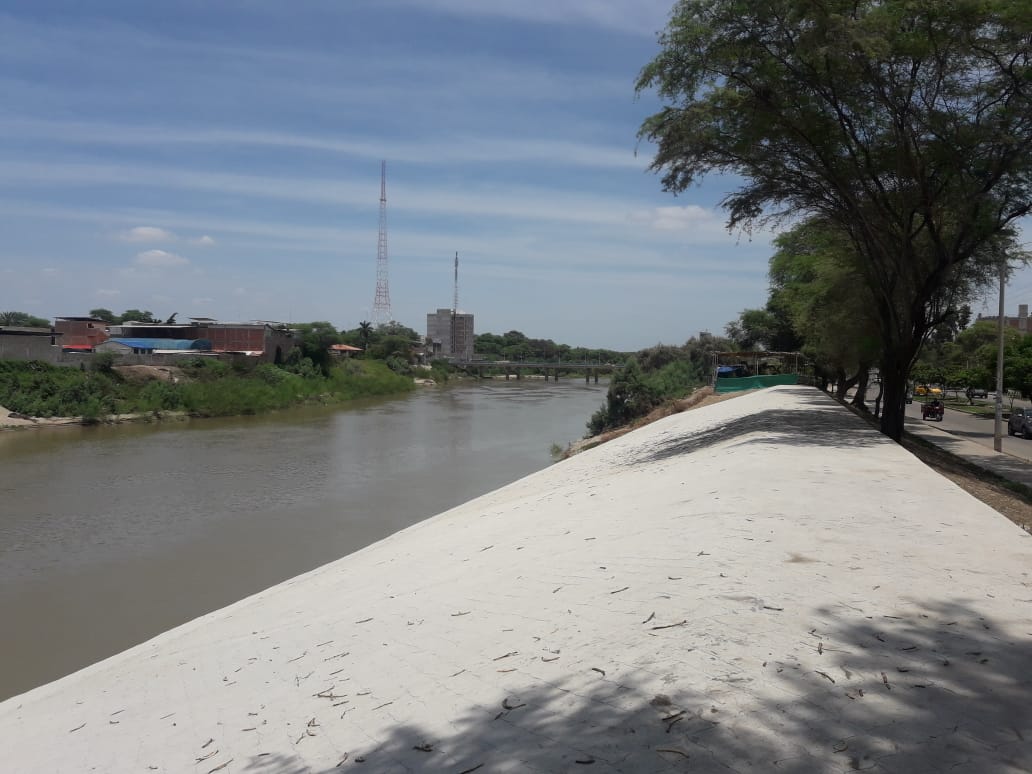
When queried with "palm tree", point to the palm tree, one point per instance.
{"points": [[365, 331]]}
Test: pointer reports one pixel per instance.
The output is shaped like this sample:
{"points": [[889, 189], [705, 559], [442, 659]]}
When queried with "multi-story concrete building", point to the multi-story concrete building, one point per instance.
{"points": [[449, 334]]}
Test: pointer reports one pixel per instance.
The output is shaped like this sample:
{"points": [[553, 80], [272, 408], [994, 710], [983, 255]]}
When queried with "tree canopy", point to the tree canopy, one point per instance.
{"points": [[129, 315], [906, 124], [23, 319]]}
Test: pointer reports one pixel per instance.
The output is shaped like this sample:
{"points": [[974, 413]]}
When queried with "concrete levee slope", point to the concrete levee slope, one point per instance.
{"points": [[765, 584]]}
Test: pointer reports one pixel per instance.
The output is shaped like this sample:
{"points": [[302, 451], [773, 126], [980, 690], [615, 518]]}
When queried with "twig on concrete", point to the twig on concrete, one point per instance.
{"points": [[673, 750]]}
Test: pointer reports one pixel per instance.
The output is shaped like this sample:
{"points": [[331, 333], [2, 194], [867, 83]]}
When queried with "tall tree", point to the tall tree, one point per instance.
{"points": [[23, 319], [365, 332], [137, 315], [906, 123], [105, 314], [815, 279]]}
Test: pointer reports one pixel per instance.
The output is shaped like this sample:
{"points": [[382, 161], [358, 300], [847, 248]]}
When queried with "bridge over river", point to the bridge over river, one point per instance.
{"points": [[553, 368]]}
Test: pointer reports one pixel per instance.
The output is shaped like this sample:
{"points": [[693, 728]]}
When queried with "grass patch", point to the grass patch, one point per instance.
{"points": [[978, 409]]}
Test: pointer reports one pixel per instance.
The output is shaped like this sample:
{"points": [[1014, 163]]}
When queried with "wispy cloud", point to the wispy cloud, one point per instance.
{"points": [[425, 150], [160, 259], [203, 241], [148, 234], [107, 292], [638, 17], [506, 202], [687, 218]]}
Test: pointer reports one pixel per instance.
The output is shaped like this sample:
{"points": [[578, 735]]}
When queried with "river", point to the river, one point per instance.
{"points": [[110, 535]]}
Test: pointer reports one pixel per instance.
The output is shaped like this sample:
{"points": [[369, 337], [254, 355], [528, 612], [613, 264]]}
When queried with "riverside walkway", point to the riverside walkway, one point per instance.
{"points": [[765, 584]]}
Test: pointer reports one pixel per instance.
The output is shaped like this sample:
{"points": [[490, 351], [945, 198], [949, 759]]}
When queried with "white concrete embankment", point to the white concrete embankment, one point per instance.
{"points": [[764, 584]]}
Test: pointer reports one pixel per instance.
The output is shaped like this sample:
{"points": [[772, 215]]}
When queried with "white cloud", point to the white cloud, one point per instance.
{"points": [[160, 259], [146, 234], [50, 271], [108, 292], [203, 241], [685, 218]]}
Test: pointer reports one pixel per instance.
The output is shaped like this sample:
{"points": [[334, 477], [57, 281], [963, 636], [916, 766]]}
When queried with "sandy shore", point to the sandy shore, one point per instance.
{"points": [[10, 420], [763, 584]]}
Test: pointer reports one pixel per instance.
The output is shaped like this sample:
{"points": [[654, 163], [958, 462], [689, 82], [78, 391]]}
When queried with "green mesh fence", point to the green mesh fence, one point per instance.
{"points": [[754, 382]]}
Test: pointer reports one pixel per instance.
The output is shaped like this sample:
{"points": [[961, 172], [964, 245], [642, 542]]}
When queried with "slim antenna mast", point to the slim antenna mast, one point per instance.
{"points": [[455, 300], [382, 301]]}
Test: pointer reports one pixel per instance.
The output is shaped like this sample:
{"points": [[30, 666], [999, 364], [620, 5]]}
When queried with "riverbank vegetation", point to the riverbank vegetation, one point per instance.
{"points": [[653, 377], [199, 387]]}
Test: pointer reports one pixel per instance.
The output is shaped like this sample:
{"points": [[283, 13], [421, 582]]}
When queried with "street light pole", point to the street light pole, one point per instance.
{"points": [[998, 428]]}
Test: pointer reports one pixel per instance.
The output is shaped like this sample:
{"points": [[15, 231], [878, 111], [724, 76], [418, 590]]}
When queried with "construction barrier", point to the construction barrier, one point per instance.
{"points": [[753, 382]]}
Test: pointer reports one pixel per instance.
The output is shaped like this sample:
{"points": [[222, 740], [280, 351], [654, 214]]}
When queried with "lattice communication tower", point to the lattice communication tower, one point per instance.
{"points": [[382, 301]]}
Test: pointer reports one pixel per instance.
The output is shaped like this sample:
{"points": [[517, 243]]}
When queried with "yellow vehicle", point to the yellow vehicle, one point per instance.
{"points": [[924, 389]]}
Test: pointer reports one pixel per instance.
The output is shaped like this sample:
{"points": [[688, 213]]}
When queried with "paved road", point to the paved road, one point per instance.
{"points": [[977, 429]]}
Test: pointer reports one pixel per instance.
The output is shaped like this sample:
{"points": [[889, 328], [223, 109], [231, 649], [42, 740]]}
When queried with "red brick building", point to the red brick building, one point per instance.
{"points": [[81, 332]]}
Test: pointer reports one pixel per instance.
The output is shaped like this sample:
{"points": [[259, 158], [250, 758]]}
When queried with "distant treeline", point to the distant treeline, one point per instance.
{"points": [[516, 346]]}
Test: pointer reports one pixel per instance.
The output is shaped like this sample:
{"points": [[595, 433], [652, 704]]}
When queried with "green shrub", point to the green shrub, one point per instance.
{"points": [[213, 388]]}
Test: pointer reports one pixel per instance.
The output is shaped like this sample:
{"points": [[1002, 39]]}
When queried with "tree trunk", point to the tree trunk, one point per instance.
{"points": [[894, 373], [842, 384], [860, 399]]}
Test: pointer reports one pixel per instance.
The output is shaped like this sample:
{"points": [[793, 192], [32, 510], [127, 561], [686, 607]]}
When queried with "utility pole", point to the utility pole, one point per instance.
{"points": [[998, 429]]}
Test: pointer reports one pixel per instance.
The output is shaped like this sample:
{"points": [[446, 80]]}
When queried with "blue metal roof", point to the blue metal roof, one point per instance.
{"points": [[141, 343]]}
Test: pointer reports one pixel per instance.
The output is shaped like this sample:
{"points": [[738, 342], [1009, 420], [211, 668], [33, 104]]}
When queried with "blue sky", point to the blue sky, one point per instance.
{"points": [[222, 159]]}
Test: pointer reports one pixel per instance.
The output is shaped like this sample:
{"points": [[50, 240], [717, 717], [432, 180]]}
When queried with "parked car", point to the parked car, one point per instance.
{"points": [[1020, 422], [977, 392]]}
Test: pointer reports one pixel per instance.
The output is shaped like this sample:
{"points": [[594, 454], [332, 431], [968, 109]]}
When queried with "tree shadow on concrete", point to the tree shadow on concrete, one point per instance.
{"points": [[826, 425], [942, 688]]}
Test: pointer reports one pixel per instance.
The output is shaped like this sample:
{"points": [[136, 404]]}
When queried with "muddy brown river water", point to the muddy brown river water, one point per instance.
{"points": [[111, 535]]}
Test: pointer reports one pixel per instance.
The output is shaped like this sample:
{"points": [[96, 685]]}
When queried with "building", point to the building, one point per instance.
{"points": [[81, 333], [152, 346], [449, 335], [1020, 322], [20, 343], [271, 342], [344, 350]]}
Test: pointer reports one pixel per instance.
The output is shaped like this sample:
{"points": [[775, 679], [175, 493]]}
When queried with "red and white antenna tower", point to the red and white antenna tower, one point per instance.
{"points": [[382, 301]]}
